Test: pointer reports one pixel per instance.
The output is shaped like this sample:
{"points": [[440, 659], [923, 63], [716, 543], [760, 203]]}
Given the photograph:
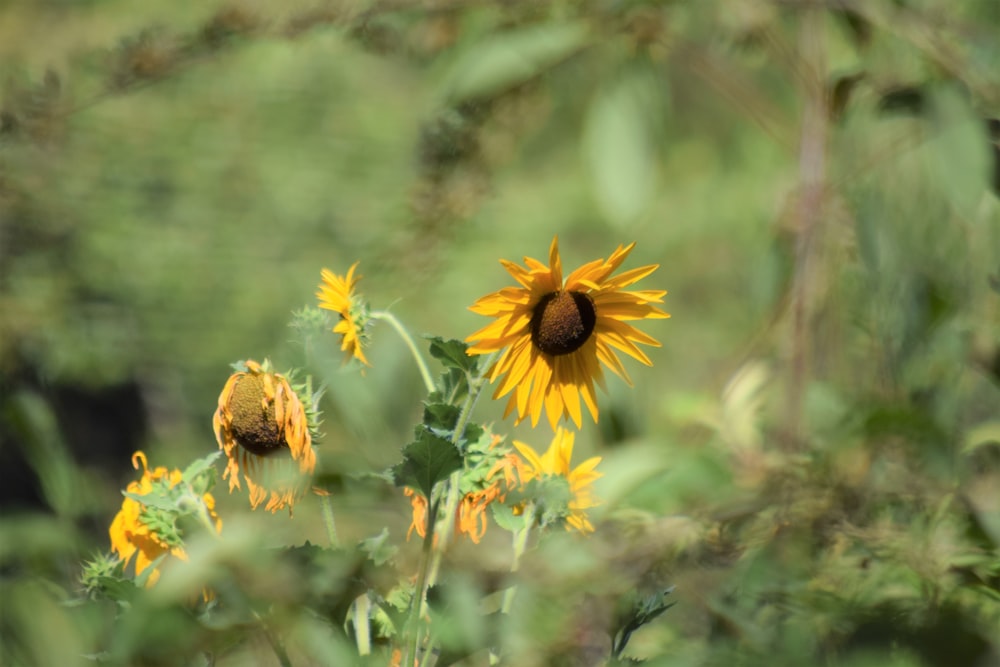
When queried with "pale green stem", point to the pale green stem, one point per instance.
{"points": [[331, 527], [361, 612], [389, 318], [520, 544]]}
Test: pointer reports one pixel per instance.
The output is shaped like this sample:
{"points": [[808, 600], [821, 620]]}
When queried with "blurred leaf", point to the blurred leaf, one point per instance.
{"points": [[981, 434], [958, 154], [620, 145], [153, 500], [379, 549], [639, 610], [506, 519], [508, 58]]}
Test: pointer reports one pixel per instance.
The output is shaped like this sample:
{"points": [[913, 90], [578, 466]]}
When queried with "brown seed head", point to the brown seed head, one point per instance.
{"points": [[254, 425], [562, 322]]}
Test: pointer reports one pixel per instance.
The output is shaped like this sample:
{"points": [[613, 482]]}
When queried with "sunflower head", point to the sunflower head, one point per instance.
{"points": [[337, 293], [568, 492], [149, 531], [554, 335], [266, 431]]}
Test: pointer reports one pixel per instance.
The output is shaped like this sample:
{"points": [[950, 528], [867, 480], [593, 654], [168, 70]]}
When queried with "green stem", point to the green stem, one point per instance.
{"points": [[451, 502], [388, 317], [272, 639], [331, 527], [431, 561], [417, 604]]}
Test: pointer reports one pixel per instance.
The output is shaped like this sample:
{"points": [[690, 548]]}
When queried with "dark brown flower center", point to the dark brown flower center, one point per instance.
{"points": [[562, 322], [254, 426]]}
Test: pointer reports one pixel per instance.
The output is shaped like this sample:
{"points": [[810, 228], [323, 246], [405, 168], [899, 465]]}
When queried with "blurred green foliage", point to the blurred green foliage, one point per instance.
{"points": [[814, 459]]}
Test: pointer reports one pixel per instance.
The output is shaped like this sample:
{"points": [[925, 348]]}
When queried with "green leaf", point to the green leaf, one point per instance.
{"points": [[153, 500], [506, 519], [473, 433], [201, 465], [441, 416], [427, 460], [201, 474], [452, 353], [512, 57]]}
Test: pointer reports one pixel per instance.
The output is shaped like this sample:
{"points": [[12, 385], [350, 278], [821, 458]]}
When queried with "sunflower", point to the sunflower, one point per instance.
{"points": [[554, 463], [265, 432], [555, 335], [132, 536], [336, 293]]}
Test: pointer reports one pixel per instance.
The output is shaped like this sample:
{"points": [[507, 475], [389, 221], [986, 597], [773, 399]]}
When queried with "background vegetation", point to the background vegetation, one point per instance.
{"points": [[814, 458]]}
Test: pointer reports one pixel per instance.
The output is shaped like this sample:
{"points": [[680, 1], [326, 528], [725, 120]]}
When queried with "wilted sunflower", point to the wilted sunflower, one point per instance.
{"points": [[555, 335], [336, 293], [264, 430], [555, 463], [132, 536]]}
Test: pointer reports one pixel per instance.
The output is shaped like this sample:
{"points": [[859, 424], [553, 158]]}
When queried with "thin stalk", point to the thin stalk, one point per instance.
{"points": [[812, 173], [417, 604], [451, 501], [389, 318], [331, 527]]}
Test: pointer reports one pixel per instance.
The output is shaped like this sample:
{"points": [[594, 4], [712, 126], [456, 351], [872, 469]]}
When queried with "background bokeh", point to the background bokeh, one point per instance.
{"points": [[813, 458]]}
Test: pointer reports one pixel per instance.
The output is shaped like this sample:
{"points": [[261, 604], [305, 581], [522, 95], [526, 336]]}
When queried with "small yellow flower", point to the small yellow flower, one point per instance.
{"points": [[555, 462], [336, 293], [263, 428], [556, 334], [131, 537]]}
